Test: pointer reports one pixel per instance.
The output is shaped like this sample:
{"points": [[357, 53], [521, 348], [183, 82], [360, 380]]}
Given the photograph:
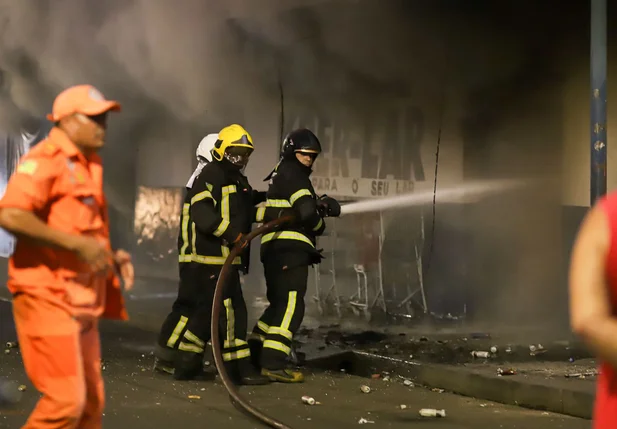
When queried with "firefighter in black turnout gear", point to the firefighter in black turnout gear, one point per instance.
{"points": [[218, 210], [288, 252]]}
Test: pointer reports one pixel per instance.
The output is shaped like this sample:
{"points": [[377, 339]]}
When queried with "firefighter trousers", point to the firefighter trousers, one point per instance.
{"points": [[187, 328], [175, 323], [286, 288], [62, 357]]}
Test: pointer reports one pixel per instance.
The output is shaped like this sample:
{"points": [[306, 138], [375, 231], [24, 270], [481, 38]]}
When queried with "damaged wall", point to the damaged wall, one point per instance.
{"points": [[372, 78]]}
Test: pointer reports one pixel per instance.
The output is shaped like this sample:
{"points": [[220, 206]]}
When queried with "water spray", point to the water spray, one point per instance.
{"points": [[470, 191]]}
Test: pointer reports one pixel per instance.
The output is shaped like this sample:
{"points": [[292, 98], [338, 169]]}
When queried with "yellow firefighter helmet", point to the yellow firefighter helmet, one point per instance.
{"points": [[234, 144]]}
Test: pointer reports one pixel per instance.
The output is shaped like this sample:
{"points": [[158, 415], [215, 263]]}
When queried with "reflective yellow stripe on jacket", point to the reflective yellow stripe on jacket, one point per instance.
{"points": [[220, 230]]}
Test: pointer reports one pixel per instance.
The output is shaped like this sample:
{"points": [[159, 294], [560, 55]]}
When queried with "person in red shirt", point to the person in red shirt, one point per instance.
{"points": [[593, 300], [63, 272]]}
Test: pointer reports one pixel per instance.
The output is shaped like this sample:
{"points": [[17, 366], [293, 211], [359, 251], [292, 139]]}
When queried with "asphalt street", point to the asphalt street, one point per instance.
{"points": [[139, 398]]}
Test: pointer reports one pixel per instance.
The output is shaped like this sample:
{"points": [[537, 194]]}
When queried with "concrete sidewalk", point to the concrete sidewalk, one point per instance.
{"points": [[571, 396]]}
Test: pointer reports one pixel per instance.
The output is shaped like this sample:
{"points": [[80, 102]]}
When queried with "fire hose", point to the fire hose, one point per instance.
{"points": [[221, 284]]}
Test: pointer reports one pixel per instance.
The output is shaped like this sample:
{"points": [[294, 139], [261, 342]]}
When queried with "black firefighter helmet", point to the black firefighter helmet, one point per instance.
{"points": [[301, 140]]}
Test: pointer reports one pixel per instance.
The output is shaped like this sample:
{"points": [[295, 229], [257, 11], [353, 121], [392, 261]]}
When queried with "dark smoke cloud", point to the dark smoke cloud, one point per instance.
{"points": [[184, 68]]}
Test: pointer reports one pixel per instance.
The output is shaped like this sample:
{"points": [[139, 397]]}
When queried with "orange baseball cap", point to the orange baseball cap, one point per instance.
{"points": [[84, 99]]}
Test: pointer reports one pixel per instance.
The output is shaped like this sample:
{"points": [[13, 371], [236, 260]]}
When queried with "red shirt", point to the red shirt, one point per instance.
{"points": [[63, 188], [605, 411]]}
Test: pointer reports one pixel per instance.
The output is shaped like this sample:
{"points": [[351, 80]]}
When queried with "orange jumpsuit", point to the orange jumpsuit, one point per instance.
{"points": [[57, 299]]}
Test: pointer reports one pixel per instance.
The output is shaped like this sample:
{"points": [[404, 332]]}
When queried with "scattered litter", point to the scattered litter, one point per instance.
{"points": [[477, 354], [308, 400], [437, 390], [103, 365], [536, 349], [571, 359], [508, 371], [22, 388], [7, 351], [364, 421], [12, 345], [431, 412], [203, 389], [582, 374], [403, 407], [408, 383], [483, 405], [386, 378], [375, 376], [508, 349], [365, 389], [493, 349], [194, 397]]}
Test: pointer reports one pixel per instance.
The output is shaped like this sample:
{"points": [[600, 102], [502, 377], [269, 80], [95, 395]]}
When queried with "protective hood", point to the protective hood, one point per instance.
{"points": [[200, 166]]}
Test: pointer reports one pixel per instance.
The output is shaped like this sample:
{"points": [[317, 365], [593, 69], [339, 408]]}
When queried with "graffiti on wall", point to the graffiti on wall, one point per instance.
{"points": [[157, 220], [12, 148], [374, 158]]}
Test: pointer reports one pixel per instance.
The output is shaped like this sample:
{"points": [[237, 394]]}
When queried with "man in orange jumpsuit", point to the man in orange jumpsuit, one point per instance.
{"points": [[63, 273]]}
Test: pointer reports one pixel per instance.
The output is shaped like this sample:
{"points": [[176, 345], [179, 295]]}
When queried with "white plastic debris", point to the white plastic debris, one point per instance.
{"points": [[365, 389], [364, 421], [480, 354], [431, 412], [408, 383], [21, 388], [11, 345], [403, 407], [308, 400], [493, 349]]}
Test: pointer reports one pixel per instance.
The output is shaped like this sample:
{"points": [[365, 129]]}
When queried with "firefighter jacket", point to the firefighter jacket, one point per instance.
{"points": [[294, 244], [217, 209]]}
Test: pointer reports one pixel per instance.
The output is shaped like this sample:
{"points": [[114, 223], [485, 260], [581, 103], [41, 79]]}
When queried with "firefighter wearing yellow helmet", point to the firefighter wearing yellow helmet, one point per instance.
{"points": [[218, 211]]}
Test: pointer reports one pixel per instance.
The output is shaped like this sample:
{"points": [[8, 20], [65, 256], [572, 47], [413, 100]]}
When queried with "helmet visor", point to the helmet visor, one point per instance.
{"points": [[238, 155]]}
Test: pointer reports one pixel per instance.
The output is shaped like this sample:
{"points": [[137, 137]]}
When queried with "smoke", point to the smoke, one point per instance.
{"points": [[185, 68]]}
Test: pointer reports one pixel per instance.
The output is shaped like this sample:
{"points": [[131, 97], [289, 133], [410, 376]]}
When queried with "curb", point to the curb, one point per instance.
{"points": [[572, 400]]}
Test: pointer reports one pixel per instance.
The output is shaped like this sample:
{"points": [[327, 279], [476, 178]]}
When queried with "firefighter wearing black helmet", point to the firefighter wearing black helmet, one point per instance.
{"points": [[288, 252]]}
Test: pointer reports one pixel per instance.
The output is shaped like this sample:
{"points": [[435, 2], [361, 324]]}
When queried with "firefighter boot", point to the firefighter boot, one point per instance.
{"points": [[189, 366], [243, 373], [164, 358], [284, 375]]}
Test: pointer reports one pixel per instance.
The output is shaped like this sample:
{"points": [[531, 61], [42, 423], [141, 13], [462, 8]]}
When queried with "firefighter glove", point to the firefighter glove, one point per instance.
{"points": [[329, 206], [241, 241], [258, 197]]}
